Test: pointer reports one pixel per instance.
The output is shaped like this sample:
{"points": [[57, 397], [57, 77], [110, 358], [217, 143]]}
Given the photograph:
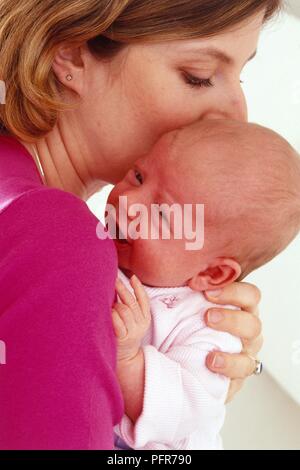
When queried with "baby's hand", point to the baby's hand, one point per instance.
{"points": [[131, 318]]}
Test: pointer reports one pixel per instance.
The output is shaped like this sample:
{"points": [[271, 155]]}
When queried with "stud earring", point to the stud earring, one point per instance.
{"points": [[69, 77]]}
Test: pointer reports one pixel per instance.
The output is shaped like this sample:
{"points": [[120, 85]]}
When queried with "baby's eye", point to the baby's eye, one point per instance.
{"points": [[138, 176], [134, 177]]}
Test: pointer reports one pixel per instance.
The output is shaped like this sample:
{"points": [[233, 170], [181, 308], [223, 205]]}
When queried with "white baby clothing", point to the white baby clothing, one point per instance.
{"points": [[183, 406]]}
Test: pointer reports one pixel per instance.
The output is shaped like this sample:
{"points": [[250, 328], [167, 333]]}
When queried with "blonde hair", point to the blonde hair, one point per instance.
{"points": [[32, 30]]}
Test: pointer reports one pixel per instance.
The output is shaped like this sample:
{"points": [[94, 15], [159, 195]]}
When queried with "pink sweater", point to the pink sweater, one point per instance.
{"points": [[58, 388]]}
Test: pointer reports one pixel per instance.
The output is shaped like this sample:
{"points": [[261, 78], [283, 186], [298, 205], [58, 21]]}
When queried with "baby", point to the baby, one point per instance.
{"points": [[248, 179]]}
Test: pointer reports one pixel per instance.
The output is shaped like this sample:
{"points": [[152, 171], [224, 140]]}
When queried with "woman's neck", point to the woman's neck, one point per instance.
{"points": [[64, 162]]}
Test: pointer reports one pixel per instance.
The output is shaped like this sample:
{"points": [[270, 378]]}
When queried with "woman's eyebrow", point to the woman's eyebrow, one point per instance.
{"points": [[218, 54]]}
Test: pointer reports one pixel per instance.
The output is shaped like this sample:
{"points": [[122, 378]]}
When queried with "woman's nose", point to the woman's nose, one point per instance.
{"points": [[234, 108], [238, 109]]}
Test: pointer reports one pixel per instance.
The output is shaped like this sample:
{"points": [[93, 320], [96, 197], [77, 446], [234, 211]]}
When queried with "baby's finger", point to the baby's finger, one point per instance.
{"points": [[127, 298], [126, 315], [141, 295], [118, 324]]}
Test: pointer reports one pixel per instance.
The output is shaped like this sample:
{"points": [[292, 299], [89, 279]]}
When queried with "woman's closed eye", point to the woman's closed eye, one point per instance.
{"points": [[197, 82]]}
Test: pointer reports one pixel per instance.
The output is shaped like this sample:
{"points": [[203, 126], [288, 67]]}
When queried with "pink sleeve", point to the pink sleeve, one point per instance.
{"points": [[58, 386]]}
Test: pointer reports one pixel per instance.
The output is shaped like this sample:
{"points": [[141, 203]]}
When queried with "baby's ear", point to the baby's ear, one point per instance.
{"points": [[218, 274]]}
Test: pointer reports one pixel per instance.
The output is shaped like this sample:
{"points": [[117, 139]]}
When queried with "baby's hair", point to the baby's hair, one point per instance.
{"points": [[277, 219], [254, 196]]}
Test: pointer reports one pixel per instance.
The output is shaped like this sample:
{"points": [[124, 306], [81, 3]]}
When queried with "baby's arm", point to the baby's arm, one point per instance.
{"points": [[131, 320], [169, 396]]}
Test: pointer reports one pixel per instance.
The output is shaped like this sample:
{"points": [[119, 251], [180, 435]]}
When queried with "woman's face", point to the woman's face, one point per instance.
{"points": [[150, 89]]}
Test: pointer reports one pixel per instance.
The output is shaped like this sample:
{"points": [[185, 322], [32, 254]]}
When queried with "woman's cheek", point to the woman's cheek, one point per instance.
{"points": [[162, 107], [178, 112]]}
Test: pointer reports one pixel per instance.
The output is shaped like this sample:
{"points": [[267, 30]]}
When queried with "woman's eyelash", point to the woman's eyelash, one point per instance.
{"points": [[197, 82]]}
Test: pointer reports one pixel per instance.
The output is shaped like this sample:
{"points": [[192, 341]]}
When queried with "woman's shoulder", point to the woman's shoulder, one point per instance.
{"points": [[50, 249], [22, 192], [57, 282], [47, 230], [51, 219], [18, 172]]}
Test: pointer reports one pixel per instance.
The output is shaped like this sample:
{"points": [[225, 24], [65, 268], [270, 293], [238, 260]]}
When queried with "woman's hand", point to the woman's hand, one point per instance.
{"points": [[244, 324]]}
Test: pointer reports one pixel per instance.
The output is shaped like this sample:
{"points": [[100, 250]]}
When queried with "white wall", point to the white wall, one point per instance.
{"points": [[266, 414], [272, 87], [293, 6], [262, 417]]}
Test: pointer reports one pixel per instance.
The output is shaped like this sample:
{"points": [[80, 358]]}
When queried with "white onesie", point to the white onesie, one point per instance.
{"points": [[183, 404]]}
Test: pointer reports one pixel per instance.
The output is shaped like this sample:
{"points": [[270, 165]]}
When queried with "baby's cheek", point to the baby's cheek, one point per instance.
{"points": [[113, 197], [146, 259]]}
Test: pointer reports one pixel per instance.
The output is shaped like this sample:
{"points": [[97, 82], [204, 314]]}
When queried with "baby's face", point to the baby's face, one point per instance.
{"points": [[238, 172], [158, 178]]}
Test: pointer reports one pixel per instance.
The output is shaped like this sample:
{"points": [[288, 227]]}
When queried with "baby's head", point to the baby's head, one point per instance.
{"points": [[248, 179]]}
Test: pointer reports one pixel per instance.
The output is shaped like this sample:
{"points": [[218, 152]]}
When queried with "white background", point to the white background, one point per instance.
{"points": [[266, 415], [272, 86]]}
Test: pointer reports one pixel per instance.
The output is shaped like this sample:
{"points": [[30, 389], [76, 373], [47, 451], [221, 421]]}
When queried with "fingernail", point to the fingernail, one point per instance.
{"points": [[215, 316], [218, 362], [214, 293]]}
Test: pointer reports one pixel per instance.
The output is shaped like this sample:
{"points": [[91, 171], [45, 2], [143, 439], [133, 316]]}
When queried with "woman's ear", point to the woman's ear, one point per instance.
{"points": [[220, 273], [69, 66]]}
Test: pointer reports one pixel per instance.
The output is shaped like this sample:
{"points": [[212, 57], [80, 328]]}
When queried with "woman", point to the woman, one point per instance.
{"points": [[91, 85]]}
